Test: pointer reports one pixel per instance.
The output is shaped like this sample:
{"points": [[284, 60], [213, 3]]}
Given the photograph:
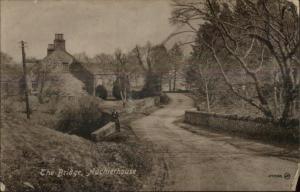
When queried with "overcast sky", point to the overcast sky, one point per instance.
{"points": [[89, 26]]}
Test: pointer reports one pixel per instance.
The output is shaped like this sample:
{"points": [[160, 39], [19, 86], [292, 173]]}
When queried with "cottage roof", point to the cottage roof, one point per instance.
{"points": [[58, 57]]}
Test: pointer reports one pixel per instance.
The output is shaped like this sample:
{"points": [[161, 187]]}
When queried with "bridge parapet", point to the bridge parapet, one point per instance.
{"points": [[248, 126]]}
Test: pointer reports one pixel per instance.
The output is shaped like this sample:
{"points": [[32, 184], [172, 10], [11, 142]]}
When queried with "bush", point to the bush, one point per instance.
{"points": [[152, 86], [121, 84], [117, 91], [164, 99], [135, 94], [101, 92], [82, 118]]}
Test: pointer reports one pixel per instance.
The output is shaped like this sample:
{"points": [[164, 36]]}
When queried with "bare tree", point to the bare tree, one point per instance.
{"points": [[154, 61], [104, 61], [122, 75], [82, 57], [244, 29], [176, 59]]}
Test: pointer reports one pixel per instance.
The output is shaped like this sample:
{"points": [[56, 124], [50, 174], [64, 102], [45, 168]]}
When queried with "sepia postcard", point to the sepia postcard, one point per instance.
{"points": [[149, 95]]}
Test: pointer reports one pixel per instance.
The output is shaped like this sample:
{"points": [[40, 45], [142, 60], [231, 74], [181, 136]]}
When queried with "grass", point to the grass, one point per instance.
{"points": [[28, 147]]}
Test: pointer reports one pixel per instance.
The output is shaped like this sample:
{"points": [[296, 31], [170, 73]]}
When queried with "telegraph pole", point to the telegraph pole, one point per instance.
{"points": [[25, 79]]}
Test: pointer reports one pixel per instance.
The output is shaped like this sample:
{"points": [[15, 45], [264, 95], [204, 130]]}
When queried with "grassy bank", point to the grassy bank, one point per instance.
{"points": [[28, 147]]}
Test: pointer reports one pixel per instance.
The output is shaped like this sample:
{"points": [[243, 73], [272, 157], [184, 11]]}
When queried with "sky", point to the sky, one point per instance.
{"points": [[91, 26]]}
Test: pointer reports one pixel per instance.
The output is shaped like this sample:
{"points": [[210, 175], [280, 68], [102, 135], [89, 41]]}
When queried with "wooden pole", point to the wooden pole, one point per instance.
{"points": [[25, 79]]}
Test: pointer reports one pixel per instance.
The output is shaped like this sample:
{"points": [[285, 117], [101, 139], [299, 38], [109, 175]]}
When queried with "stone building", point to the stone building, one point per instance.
{"points": [[59, 61]]}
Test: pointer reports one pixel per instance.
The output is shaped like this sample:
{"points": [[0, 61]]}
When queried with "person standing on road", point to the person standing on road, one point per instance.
{"points": [[115, 118]]}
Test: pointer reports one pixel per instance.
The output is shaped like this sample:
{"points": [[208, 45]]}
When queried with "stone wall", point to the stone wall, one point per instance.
{"points": [[103, 132], [136, 106], [248, 126]]}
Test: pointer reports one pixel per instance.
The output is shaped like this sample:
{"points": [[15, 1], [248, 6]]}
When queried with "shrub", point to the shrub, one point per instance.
{"points": [[101, 92], [164, 99], [82, 118], [152, 85], [116, 91], [121, 84], [135, 94]]}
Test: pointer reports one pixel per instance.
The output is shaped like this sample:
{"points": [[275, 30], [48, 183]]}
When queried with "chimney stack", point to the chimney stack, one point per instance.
{"points": [[50, 49], [59, 42]]}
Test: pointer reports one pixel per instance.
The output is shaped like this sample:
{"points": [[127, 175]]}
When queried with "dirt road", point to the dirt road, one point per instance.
{"points": [[210, 161]]}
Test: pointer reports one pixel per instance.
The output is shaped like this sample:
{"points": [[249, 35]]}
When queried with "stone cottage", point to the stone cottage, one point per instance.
{"points": [[61, 63]]}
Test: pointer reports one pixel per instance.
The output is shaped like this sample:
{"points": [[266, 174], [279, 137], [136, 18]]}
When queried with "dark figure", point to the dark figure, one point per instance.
{"points": [[115, 118]]}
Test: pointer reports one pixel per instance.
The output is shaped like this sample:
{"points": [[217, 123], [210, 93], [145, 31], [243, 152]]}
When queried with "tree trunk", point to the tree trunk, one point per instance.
{"points": [[288, 100], [161, 83], [275, 103], [170, 84], [207, 96], [280, 101], [174, 82], [94, 85]]}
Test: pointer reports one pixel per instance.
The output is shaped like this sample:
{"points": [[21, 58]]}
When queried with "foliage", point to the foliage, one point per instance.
{"points": [[164, 99], [176, 54], [154, 60], [60, 86], [81, 118], [117, 91], [152, 85], [104, 61], [82, 57], [101, 92], [121, 88], [248, 35], [136, 94], [176, 59], [6, 59]]}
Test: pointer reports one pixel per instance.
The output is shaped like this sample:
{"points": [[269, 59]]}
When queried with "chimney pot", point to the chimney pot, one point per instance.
{"points": [[50, 49], [59, 42], [59, 36]]}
